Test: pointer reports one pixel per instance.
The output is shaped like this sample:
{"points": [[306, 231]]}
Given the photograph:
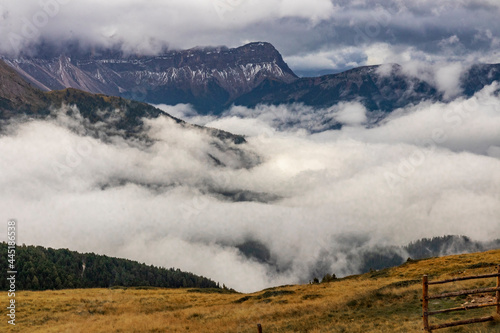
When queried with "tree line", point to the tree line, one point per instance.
{"points": [[390, 256], [40, 268]]}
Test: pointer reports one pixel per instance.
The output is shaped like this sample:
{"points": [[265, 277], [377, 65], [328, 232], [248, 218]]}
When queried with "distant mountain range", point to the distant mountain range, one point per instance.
{"points": [[212, 79], [364, 84], [208, 78]]}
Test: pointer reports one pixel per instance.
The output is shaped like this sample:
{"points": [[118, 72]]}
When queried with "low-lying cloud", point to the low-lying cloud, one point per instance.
{"points": [[313, 199]]}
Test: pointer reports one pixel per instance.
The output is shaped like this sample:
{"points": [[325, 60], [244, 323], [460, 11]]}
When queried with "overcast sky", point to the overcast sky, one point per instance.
{"points": [[311, 35]]}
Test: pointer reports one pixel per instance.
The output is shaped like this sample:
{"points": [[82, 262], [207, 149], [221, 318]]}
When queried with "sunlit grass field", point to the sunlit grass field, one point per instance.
{"points": [[381, 301]]}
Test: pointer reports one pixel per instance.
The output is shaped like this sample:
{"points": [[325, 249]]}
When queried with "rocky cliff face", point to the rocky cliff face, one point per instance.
{"points": [[208, 78]]}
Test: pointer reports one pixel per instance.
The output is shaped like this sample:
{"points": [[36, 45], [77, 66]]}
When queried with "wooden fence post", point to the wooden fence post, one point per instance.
{"points": [[259, 327], [498, 292], [426, 297], [425, 303]]}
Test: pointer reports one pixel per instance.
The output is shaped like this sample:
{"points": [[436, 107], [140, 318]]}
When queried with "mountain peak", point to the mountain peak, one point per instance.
{"points": [[259, 45], [210, 78]]}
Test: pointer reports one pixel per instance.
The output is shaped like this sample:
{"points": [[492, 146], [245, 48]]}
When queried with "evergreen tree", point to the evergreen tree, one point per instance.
{"points": [[40, 269]]}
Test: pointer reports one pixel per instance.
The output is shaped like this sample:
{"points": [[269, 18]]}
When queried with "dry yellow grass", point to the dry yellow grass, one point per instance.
{"points": [[382, 301]]}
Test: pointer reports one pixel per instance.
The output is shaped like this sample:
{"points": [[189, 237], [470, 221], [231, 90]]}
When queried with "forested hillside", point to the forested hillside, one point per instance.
{"points": [[40, 268], [383, 257]]}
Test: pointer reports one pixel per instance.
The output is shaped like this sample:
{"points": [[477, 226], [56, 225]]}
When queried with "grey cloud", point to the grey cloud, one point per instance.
{"points": [[295, 29]]}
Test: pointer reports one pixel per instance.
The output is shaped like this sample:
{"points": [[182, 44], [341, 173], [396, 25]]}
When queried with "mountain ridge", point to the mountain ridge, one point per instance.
{"points": [[212, 79], [365, 84], [208, 78], [19, 98]]}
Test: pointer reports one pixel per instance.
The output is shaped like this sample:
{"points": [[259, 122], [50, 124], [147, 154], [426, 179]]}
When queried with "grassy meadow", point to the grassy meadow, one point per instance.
{"points": [[381, 301]]}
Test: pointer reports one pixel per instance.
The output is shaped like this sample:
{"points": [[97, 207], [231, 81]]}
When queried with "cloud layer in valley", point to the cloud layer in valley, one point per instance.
{"points": [[315, 201]]}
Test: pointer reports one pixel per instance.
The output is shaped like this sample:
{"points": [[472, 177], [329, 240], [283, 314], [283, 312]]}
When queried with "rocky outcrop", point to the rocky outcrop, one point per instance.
{"points": [[208, 78]]}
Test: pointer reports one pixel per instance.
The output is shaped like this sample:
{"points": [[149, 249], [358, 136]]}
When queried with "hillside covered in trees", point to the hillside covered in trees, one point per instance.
{"points": [[390, 256], [40, 268]]}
